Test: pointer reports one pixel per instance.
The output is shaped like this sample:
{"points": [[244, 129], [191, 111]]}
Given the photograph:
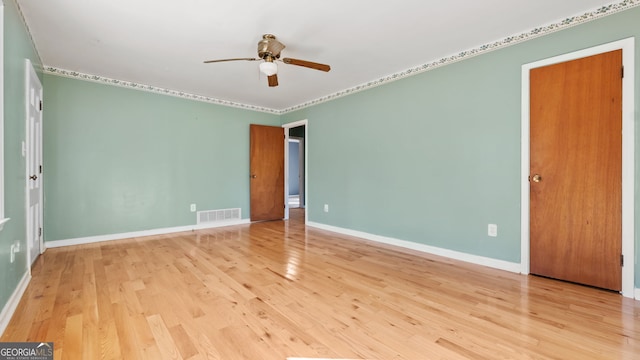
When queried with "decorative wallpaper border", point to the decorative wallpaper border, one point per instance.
{"points": [[154, 89], [508, 41]]}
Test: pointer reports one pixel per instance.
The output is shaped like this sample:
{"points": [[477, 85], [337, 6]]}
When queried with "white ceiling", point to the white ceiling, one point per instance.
{"points": [[162, 43]]}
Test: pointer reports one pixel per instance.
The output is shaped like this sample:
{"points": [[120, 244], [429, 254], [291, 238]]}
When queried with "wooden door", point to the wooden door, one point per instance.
{"points": [[267, 172], [576, 170]]}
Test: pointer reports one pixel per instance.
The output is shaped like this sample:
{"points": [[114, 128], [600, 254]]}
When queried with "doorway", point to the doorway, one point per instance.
{"points": [[626, 170], [33, 154], [296, 132], [296, 171]]}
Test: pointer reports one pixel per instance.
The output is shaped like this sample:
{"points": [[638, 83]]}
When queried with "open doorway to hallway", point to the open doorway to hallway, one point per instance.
{"points": [[296, 165]]}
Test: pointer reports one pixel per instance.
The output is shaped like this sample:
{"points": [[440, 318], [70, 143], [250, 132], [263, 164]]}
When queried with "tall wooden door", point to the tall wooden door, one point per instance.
{"points": [[34, 162], [576, 170], [267, 172]]}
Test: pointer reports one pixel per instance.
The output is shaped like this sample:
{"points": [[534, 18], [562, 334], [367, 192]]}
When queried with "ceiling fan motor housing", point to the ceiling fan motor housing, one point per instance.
{"points": [[269, 47]]}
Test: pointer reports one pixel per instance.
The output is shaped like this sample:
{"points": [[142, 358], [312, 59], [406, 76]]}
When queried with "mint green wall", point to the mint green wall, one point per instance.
{"points": [[119, 160], [17, 48], [435, 157]]}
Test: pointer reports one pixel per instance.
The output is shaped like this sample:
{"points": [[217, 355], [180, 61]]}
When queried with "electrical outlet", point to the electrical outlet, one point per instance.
{"points": [[492, 230], [326, 207], [193, 207], [17, 246]]}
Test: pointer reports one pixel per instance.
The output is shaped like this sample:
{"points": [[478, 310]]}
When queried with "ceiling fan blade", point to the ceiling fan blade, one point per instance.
{"points": [[273, 80], [234, 59], [308, 64]]}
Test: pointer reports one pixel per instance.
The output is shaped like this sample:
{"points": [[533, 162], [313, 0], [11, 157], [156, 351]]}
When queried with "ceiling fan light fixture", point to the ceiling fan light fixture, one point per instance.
{"points": [[269, 52], [268, 68]]}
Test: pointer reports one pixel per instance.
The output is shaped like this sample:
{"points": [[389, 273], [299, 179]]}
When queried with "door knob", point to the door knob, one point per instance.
{"points": [[33, 177], [536, 178], [253, 176]]}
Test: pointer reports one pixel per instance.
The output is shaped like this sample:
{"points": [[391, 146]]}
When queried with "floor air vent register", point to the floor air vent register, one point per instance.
{"points": [[218, 216]]}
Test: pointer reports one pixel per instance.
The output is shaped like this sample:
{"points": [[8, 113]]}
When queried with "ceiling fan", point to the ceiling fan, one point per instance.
{"points": [[269, 50]]}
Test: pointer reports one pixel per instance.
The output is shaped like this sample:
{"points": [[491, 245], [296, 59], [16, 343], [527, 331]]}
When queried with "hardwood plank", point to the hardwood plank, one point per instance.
{"points": [[73, 338], [90, 339], [277, 289], [127, 339], [163, 338], [183, 342]]}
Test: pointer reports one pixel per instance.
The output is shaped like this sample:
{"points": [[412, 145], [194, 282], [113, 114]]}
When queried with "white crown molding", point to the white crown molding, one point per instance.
{"points": [[463, 55]]}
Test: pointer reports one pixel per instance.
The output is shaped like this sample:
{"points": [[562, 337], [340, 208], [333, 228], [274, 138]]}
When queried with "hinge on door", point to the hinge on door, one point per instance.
{"points": [[39, 232], [40, 105], [622, 72], [621, 260], [40, 169]]}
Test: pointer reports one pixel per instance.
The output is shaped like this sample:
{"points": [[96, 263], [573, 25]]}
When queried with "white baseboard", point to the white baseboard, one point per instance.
{"points": [[451, 254], [120, 236], [12, 303]]}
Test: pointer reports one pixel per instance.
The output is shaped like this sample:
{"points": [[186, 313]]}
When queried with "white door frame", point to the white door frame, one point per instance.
{"points": [[30, 75], [628, 149], [286, 127]]}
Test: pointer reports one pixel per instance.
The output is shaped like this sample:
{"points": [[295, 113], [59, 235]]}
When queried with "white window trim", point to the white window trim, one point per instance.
{"points": [[3, 220]]}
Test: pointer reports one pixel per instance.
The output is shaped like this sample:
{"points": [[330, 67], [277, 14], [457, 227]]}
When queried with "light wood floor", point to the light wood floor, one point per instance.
{"points": [[277, 289]]}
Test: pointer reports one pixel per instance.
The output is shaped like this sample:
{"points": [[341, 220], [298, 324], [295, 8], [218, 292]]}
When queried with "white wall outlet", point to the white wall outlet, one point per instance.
{"points": [[326, 207], [13, 253], [193, 207], [16, 246], [492, 230]]}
